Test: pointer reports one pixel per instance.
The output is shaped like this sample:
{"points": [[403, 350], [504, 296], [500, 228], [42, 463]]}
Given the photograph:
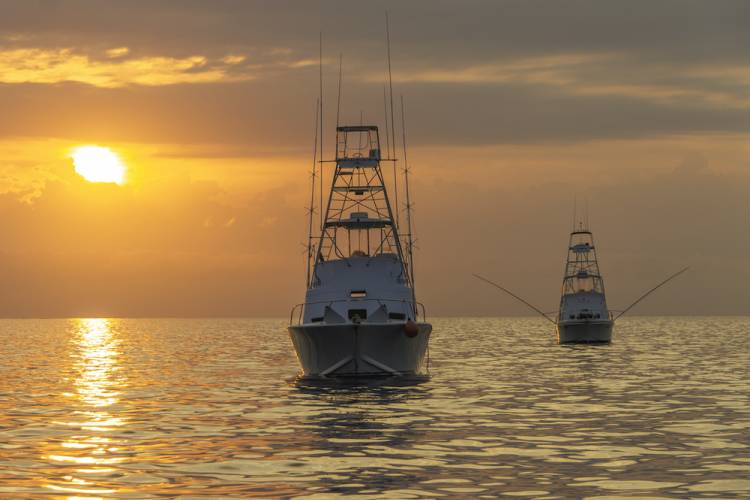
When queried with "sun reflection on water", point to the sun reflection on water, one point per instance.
{"points": [[98, 383], [207, 409]]}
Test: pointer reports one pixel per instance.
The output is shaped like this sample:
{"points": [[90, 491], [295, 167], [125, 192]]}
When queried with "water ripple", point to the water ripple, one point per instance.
{"points": [[179, 408]]}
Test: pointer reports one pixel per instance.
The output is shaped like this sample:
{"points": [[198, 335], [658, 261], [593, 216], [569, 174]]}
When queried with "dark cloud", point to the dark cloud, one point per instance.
{"points": [[439, 30], [664, 67]]}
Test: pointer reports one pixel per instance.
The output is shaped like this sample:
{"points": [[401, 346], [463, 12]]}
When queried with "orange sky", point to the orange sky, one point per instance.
{"points": [[514, 109]]}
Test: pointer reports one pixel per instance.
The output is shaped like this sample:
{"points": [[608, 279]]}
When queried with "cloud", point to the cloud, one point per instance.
{"points": [[556, 69], [117, 52], [34, 65], [599, 74], [475, 73], [233, 59]]}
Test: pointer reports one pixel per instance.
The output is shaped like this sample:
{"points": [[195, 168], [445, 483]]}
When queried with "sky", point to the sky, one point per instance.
{"points": [[639, 110]]}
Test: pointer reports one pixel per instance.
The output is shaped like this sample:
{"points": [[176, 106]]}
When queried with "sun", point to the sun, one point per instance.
{"points": [[98, 164]]}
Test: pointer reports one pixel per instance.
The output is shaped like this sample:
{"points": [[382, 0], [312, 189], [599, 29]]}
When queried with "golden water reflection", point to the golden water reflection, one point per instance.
{"points": [[208, 409], [93, 445]]}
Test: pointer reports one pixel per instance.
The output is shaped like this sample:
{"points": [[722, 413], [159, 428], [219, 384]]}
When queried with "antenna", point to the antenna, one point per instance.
{"points": [[321, 130], [652, 290], [575, 211], [539, 311], [387, 133], [393, 128], [409, 239], [312, 194], [338, 105], [586, 215]]}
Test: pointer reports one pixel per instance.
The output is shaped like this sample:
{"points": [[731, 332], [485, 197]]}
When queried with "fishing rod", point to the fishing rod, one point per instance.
{"points": [[652, 290], [538, 311]]}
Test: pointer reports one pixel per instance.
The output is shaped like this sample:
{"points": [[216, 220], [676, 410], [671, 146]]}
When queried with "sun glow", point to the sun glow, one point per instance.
{"points": [[98, 164]]}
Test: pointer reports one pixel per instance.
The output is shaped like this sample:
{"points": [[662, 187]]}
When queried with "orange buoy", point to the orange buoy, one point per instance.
{"points": [[411, 329]]}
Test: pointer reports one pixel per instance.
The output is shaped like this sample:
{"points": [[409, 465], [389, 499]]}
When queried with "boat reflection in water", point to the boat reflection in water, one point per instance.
{"points": [[88, 447]]}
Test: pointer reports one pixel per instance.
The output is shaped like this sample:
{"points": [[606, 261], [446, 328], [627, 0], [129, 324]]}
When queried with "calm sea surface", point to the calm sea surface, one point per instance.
{"points": [[207, 408]]}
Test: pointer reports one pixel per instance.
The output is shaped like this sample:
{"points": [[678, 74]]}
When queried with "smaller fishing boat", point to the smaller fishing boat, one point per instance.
{"points": [[583, 316]]}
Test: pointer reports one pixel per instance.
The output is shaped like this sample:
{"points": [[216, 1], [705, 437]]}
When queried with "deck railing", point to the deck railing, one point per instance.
{"points": [[298, 309]]}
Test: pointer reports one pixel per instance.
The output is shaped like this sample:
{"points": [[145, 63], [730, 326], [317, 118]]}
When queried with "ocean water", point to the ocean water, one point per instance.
{"points": [[211, 408]]}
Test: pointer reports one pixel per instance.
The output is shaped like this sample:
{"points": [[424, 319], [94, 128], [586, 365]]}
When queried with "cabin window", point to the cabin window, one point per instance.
{"points": [[358, 313], [317, 319], [358, 294], [396, 316]]}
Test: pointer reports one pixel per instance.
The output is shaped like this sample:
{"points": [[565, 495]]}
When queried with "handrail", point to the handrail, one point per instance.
{"points": [[302, 305], [610, 316]]}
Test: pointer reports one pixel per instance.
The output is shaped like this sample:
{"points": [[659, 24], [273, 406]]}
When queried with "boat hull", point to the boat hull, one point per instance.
{"points": [[360, 350], [585, 332]]}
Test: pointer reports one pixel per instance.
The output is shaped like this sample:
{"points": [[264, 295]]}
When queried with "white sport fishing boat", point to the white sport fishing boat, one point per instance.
{"points": [[360, 316], [583, 316]]}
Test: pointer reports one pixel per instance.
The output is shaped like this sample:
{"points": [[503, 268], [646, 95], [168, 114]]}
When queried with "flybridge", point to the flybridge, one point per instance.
{"points": [[582, 247], [357, 146], [360, 220], [359, 217], [582, 267]]}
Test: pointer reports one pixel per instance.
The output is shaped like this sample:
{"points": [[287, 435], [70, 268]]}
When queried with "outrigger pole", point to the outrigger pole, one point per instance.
{"points": [[312, 196], [393, 127], [652, 290], [538, 311], [410, 237], [544, 315], [320, 152]]}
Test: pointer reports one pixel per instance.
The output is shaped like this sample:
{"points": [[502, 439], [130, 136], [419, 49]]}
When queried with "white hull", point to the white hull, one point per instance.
{"points": [[585, 331], [365, 349]]}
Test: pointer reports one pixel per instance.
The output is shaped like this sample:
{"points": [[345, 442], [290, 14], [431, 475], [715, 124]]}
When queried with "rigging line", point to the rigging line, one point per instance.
{"points": [[312, 197], [393, 127], [652, 290], [539, 311]]}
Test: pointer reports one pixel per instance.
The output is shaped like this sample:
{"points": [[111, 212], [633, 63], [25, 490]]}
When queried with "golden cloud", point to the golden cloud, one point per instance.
{"points": [[233, 59], [118, 52], [34, 65], [552, 70]]}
